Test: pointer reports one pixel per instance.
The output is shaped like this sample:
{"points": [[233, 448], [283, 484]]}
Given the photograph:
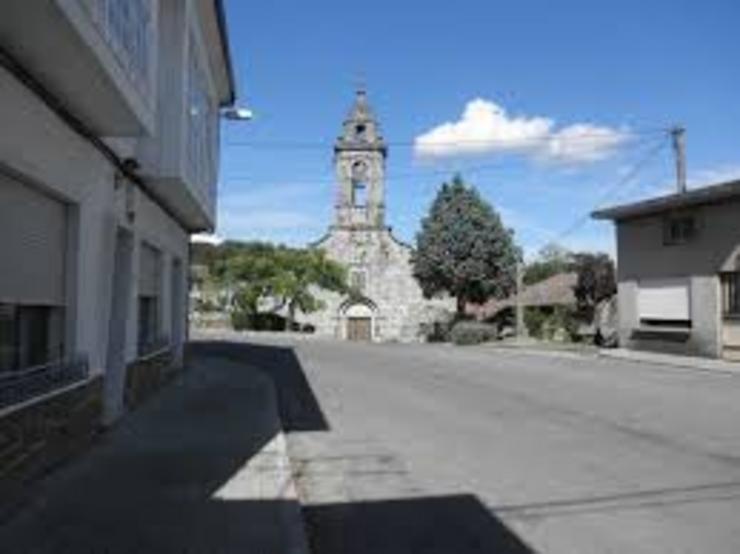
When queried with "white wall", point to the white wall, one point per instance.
{"points": [[36, 146]]}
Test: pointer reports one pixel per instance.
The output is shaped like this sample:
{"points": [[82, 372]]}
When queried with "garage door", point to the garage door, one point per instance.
{"points": [[33, 230], [664, 300]]}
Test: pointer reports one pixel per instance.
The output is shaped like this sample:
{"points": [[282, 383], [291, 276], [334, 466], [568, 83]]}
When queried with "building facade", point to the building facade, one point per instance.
{"points": [[679, 272], [108, 161], [387, 303]]}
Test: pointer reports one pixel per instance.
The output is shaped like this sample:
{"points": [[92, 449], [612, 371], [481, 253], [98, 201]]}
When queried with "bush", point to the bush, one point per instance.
{"points": [[472, 332], [242, 320], [559, 323]]}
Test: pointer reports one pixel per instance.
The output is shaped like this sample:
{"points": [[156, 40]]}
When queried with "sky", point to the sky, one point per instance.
{"points": [[550, 109]]}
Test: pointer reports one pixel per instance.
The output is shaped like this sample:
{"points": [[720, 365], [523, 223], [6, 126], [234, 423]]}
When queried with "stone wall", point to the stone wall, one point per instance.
{"points": [[41, 433], [147, 375], [390, 291]]}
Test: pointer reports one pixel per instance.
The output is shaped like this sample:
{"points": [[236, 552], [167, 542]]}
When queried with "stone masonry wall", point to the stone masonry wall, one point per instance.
{"points": [[40, 434], [391, 291], [147, 375]]}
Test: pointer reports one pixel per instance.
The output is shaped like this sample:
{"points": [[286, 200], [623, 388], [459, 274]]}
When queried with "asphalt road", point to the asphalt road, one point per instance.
{"points": [[438, 449]]}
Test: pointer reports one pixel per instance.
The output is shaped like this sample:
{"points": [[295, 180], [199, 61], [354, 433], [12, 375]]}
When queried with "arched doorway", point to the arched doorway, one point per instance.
{"points": [[358, 320]]}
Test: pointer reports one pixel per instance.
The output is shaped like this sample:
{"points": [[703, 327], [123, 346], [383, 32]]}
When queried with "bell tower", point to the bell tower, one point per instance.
{"points": [[359, 160]]}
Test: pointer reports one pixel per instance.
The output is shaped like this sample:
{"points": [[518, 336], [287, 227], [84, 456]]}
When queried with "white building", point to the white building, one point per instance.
{"points": [[109, 111]]}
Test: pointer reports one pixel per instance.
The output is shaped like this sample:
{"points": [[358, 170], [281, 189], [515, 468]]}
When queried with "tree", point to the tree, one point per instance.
{"points": [[299, 273], [596, 279], [289, 276], [248, 274], [464, 249], [551, 260]]}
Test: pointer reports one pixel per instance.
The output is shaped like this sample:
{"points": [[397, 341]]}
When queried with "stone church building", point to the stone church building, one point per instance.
{"points": [[387, 303]]}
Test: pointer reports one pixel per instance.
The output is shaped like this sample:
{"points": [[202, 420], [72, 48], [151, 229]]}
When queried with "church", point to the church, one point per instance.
{"points": [[387, 303]]}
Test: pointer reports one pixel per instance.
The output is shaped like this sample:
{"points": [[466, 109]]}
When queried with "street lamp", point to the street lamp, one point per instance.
{"points": [[234, 113]]}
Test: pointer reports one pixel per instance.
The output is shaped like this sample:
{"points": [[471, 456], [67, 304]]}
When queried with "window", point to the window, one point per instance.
{"points": [[359, 194], [679, 229], [360, 131], [30, 336], [149, 298], [731, 294], [126, 25], [203, 129], [148, 323], [358, 280]]}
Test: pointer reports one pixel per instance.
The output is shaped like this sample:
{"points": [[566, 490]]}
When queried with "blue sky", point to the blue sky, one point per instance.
{"points": [[557, 101]]}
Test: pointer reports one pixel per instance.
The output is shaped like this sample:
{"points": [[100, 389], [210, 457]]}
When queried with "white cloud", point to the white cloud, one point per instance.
{"points": [[485, 127]]}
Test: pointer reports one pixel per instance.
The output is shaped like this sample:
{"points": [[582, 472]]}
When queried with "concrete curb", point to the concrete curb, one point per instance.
{"points": [[268, 476], [684, 362], [667, 360]]}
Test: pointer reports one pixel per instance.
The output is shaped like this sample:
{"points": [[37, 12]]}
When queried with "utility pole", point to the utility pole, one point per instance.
{"points": [[521, 329], [678, 134]]}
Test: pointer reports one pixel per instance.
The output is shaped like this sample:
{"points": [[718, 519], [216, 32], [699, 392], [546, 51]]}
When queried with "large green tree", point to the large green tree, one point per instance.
{"points": [[289, 276], [464, 249], [299, 273]]}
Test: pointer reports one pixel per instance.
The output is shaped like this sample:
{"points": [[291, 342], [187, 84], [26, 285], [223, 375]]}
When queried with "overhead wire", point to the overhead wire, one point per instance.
{"points": [[513, 145], [631, 173], [417, 174]]}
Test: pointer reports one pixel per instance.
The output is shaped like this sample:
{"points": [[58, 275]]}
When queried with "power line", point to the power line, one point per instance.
{"points": [[626, 178], [393, 177], [390, 178], [512, 144]]}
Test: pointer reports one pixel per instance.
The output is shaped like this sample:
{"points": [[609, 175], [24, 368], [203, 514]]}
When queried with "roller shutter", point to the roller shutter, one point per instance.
{"points": [[33, 237], [664, 300]]}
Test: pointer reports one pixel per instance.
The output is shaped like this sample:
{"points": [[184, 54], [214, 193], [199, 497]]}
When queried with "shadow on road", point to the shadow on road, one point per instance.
{"points": [[174, 477], [156, 482], [457, 524], [299, 408]]}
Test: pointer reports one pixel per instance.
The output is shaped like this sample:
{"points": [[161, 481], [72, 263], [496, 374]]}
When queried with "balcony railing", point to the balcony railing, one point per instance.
{"points": [[20, 386]]}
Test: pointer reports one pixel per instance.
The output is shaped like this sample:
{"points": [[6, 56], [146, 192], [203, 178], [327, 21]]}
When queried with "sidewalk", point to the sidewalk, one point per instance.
{"points": [[689, 362], [200, 468], [570, 350]]}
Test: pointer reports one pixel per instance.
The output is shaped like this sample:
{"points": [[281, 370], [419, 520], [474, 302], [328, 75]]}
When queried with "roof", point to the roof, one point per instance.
{"points": [[712, 194], [360, 110], [221, 18], [553, 291]]}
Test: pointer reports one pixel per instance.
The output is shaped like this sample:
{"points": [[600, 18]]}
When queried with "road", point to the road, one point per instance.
{"points": [[439, 449]]}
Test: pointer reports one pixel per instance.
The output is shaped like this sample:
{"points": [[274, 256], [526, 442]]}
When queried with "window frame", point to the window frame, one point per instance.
{"points": [[686, 233], [730, 294], [24, 355]]}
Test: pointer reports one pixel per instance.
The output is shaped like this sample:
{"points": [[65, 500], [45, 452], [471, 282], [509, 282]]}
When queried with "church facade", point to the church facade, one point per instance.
{"points": [[386, 303]]}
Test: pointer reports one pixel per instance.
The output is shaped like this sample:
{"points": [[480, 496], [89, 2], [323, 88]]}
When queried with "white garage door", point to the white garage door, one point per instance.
{"points": [[33, 231], [664, 300]]}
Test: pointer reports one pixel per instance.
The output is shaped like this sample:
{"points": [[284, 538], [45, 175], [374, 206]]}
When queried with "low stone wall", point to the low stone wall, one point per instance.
{"points": [[146, 375], [40, 433]]}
